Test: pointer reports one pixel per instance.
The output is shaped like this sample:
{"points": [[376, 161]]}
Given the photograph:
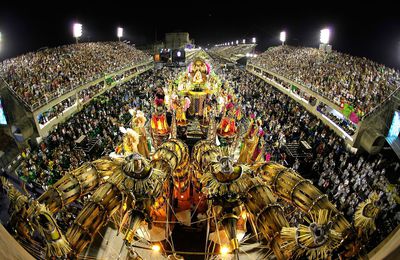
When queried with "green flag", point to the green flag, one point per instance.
{"points": [[347, 109]]}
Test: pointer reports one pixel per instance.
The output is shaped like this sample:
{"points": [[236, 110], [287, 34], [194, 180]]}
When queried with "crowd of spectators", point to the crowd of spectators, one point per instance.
{"points": [[38, 77], [348, 126], [339, 77], [232, 52], [347, 178], [58, 109]]}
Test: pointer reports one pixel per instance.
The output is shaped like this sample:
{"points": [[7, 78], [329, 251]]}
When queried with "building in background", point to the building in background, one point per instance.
{"points": [[177, 40]]}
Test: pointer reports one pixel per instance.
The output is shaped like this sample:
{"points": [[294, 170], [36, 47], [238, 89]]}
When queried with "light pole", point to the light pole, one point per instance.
{"points": [[120, 32], [282, 37], [77, 31]]}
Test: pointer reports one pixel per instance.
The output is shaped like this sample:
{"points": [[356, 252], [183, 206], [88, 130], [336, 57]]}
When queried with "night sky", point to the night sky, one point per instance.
{"points": [[369, 30]]}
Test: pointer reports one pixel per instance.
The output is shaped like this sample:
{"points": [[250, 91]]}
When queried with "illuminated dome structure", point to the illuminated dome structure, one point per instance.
{"points": [[207, 161]]}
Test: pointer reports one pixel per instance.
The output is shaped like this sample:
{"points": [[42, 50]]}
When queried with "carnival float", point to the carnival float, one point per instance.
{"points": [[207, 161]]}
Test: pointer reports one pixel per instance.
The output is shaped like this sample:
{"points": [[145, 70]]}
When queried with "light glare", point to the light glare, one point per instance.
{"points": [[120, 32], [77, 30], [224, 250], [156, 248], [282, 36], [325, 33]]}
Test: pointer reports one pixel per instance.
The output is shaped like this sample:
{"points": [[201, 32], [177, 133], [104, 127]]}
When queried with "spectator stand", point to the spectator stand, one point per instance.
{"points": [[305, 103], [232, 53], [283, 84], [77, 95]]}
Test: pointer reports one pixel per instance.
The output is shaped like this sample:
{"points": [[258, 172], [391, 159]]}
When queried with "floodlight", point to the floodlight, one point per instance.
{"points": [[77, 30], [325, 33], [282, 37], [120, 32]]}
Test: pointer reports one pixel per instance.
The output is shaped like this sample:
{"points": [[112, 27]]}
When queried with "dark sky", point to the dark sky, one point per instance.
{"points": [[370, 30]]}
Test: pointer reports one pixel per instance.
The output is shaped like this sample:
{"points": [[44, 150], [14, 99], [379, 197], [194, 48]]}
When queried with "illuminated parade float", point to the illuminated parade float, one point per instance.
{"points": [[197, 155]]}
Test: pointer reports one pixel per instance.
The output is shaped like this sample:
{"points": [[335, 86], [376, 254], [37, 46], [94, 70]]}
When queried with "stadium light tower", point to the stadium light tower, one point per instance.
{"points": [[120, 32], [324, 39], [282, 37], [77, 31]]}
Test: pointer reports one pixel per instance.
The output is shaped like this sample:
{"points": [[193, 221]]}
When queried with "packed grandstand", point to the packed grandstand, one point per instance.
{"points": [[39, 77], [347, 178]]}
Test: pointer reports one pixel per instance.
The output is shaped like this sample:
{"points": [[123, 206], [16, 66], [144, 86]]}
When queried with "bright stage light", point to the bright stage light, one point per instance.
{"points": [[282, 36], [77, 30], [231, 43], [253, 40], [244, 41], [237, 41], [224, 250], [325, 33], [120, 32], [156, 248]]}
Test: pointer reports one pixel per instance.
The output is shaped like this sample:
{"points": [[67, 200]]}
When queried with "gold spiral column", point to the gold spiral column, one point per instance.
{"points": [[77, 183], [296, 190], [267, 215]]}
